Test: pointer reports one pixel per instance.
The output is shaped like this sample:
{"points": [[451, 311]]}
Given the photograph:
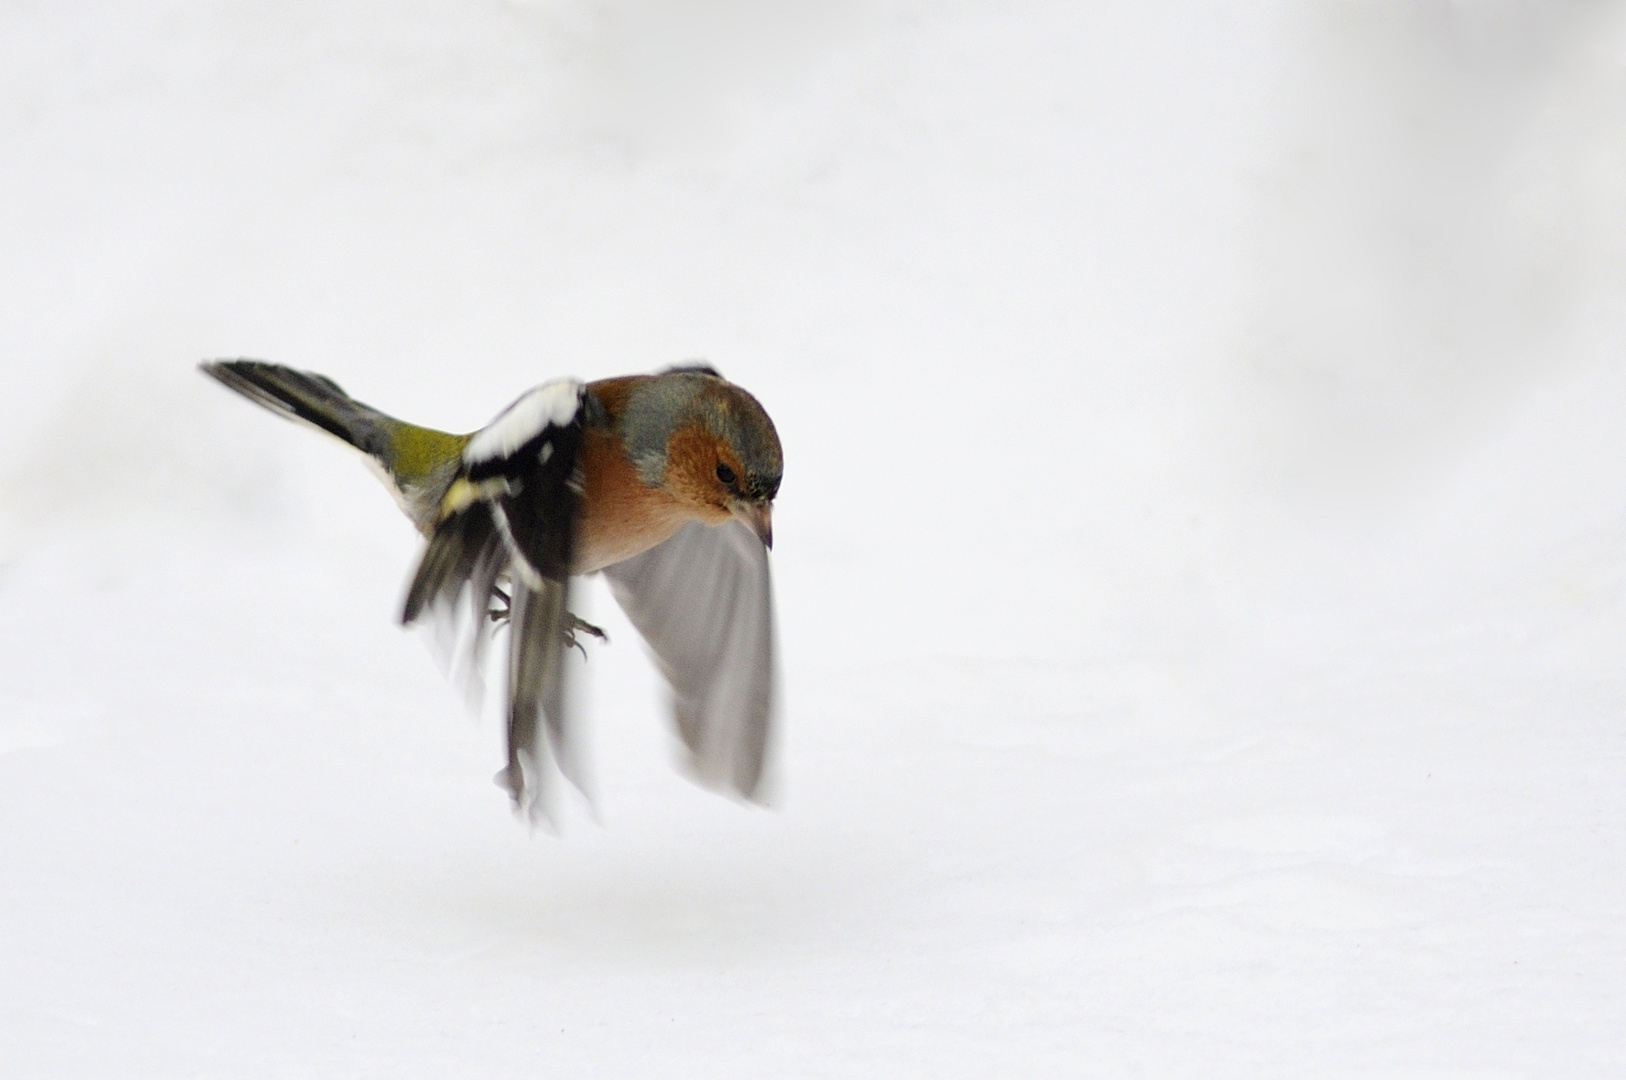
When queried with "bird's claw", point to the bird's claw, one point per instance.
{"points": [[500, 611], [586, 628]]}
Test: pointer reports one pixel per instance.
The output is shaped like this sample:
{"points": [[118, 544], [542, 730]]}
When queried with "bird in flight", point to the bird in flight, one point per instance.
{"points": [[664, 483]]}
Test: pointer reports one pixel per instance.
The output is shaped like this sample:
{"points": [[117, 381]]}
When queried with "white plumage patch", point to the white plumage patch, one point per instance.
{"points": [[528, 573], [553, 403]]}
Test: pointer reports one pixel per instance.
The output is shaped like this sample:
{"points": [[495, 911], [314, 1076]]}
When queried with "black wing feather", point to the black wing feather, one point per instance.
{"points": [[520, 528], [536, 698]]}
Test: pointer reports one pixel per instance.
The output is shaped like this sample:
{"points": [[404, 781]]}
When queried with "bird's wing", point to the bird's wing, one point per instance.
{"points": [[511, 514], [537, 729], [704, 601]]}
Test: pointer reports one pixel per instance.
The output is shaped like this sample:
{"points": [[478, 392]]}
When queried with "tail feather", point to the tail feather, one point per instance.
{"points": [[417, 462], [312, 398]]}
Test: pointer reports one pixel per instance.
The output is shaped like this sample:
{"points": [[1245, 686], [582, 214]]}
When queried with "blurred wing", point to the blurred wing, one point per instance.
{"points": [[511, 515], [704, 601], [536, 697]]}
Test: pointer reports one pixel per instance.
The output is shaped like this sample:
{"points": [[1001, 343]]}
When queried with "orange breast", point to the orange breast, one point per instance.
{"points": [[621, 515]]}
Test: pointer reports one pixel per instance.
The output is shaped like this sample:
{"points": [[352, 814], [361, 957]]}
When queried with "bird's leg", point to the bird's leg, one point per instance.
{"points": [[503, 607], [585, 627], [499, 613]]}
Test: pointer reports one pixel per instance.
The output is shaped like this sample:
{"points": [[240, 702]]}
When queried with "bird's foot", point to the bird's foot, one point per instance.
{"points": [[500, 607], [584, 627]]}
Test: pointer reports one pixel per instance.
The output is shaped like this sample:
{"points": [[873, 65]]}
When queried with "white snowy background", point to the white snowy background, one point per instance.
{"points": [[1201, 555]]}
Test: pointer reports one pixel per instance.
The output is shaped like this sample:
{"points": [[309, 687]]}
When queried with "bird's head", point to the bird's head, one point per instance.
{"points": [[709, 444]]}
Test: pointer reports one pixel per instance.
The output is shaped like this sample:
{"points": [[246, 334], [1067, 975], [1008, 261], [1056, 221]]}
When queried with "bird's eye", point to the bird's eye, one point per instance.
{"points": [[725, 474]]}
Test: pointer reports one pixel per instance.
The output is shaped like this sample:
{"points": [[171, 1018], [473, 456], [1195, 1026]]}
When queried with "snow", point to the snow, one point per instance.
{"points": [[1201, 558]]}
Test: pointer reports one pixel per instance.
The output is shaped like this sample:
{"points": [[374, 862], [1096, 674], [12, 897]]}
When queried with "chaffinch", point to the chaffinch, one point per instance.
{"points": [[663, 482]]}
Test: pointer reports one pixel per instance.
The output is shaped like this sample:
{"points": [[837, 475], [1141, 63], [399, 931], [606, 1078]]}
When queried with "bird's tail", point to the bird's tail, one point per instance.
{"points": [[420, 461], [315, 399]]}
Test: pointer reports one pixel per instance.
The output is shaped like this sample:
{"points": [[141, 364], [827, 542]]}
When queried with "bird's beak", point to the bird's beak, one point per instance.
{"points": [[758, 517]]}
